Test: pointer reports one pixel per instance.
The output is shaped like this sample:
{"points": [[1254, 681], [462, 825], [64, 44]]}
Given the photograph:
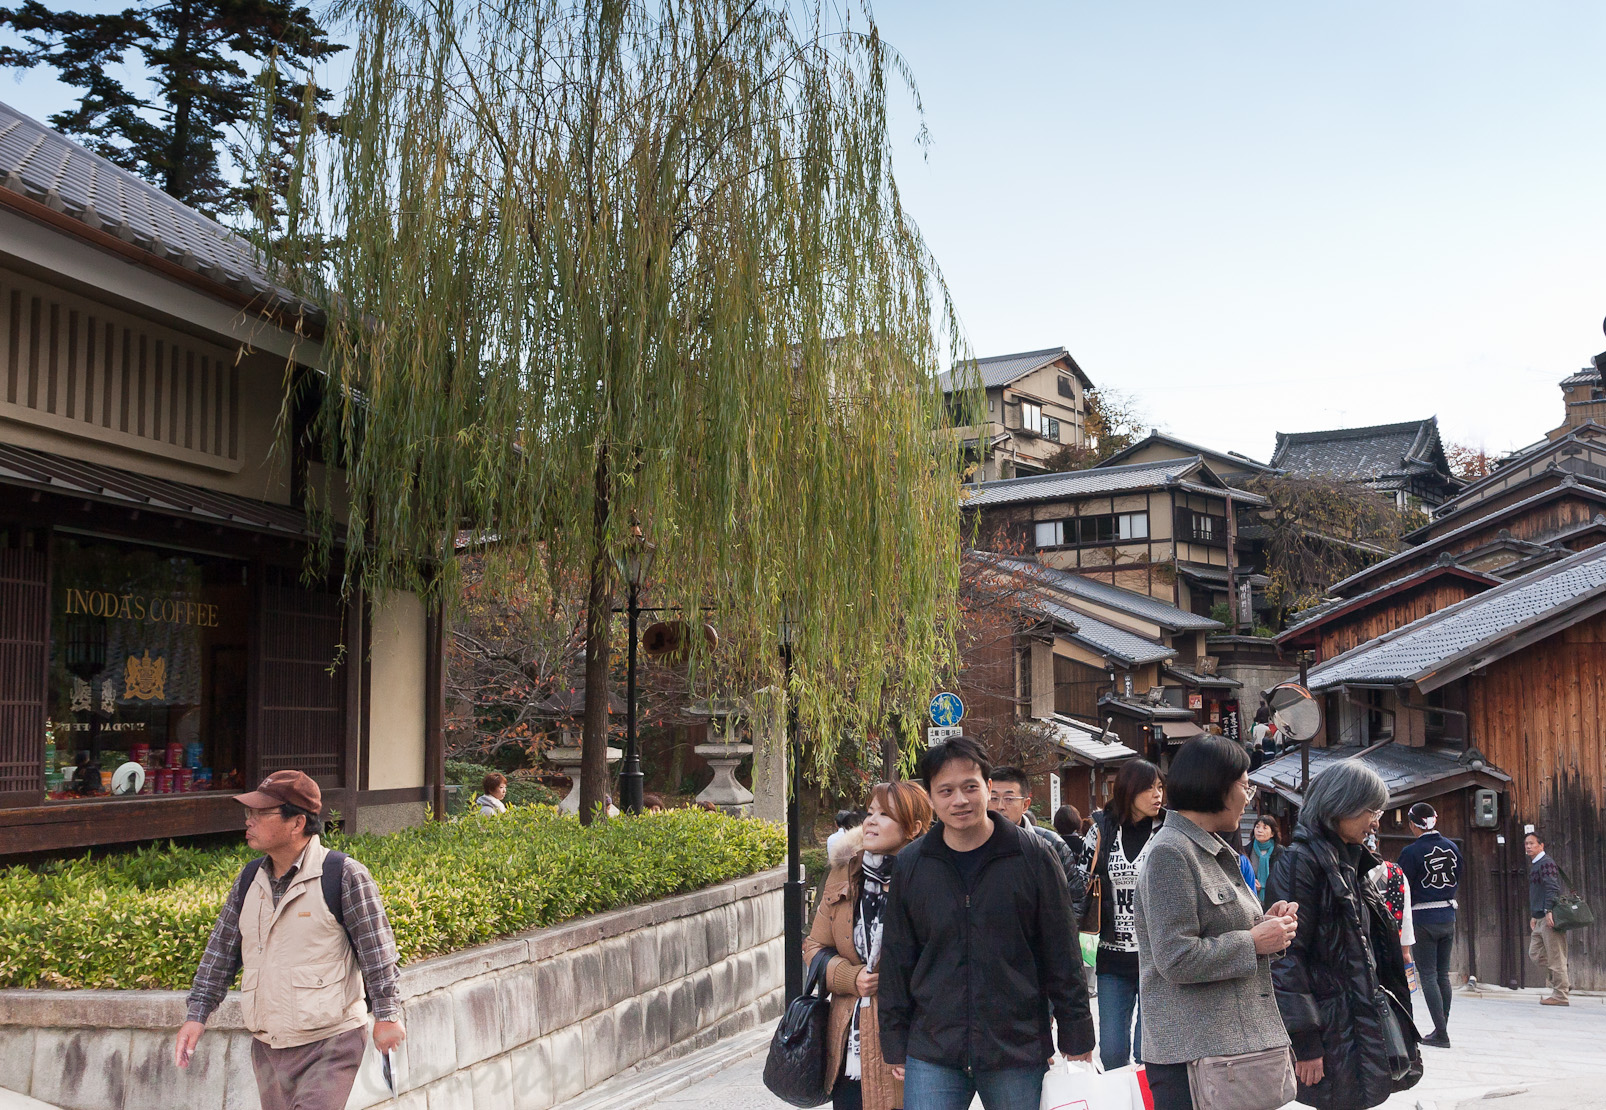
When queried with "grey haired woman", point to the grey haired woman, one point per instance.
{"points": [[1341, 984]]}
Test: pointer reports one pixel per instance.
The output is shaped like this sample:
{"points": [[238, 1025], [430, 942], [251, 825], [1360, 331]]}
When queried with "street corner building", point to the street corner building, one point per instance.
{"points": [[160, 647]]}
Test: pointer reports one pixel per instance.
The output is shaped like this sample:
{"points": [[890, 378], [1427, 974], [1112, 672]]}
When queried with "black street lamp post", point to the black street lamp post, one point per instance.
{"points": [[792, 905], [634, 565]]}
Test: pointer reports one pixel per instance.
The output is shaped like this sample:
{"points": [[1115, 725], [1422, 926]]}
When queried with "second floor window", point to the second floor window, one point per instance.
{"points": [[1033, 420], [1205, 528], [1066, 388], [1092, 530]]}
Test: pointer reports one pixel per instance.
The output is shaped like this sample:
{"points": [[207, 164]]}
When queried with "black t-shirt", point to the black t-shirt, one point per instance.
{"points": [[970, 863]]}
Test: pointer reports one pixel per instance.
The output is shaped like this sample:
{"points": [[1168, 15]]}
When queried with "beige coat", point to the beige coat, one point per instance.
{"points": [[833, 928], [300, 981]]}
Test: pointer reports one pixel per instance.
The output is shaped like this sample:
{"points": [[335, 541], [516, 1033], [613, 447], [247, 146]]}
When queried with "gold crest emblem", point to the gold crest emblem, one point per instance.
{"points": [[145, 678]]}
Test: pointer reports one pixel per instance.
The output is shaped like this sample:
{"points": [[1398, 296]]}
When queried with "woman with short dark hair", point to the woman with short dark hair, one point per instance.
{"points": [[493, 789], [1341, 985], [1262, 854], [1204, 942], [1114, 848], [1068, 823]]}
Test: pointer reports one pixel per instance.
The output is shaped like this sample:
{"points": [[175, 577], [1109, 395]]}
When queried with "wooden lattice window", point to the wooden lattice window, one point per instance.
{"points": [[24, 645], [303, 682]]}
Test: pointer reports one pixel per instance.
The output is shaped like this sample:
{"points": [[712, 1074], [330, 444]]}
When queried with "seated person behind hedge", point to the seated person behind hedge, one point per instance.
{"points": [[309, 929], [849, 922], [492, 792]]}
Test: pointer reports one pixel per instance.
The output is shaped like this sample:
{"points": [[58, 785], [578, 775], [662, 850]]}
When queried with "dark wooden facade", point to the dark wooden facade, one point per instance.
{"points": [[1349, 626]]}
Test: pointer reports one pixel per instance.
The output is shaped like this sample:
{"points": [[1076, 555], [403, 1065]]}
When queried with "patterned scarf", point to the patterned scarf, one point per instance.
{"points": [[867, 938]]}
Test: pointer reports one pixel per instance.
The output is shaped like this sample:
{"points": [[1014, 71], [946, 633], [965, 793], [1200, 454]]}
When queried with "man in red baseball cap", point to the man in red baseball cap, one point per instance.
{"points": [[307, 929]]}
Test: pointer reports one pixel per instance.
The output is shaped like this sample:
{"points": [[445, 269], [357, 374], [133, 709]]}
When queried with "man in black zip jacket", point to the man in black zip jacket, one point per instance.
{"points": [[974, 952]]}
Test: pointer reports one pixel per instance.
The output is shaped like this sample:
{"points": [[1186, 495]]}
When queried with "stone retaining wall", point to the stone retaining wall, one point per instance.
{"points": [[519, 1024]]}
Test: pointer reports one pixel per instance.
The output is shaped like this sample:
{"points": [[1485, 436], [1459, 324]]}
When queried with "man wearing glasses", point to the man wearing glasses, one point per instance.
{"points": [[1012, 797], [308, 929]]}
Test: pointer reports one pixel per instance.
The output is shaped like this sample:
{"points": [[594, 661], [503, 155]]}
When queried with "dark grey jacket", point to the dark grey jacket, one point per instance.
{"points": [[1202, 989]]}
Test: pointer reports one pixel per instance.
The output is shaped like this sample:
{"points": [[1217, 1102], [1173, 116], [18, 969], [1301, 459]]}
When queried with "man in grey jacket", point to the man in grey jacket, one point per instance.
{"points": [[1012, 797]]}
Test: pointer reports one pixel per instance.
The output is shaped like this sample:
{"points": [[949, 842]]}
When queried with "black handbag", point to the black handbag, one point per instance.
{"points": [[1394, 1043], [795, 1069], [1570, 911]]}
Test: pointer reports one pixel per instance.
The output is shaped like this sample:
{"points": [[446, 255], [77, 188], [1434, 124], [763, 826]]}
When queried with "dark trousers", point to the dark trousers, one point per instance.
{"points": [[1434, 942], [848, 1094], [1168, 1083], [316, 1076]]}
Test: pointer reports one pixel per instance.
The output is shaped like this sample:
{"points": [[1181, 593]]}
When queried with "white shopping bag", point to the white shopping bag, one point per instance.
{"points": [[1069, 1085]]}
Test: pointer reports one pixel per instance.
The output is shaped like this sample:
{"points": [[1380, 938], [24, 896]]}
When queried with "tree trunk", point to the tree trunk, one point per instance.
{"points": [[176, 184], [599, 621]]}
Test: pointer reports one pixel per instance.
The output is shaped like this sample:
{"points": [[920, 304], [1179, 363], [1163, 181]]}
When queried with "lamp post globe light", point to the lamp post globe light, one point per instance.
{"points": [[635, 564], [792, 905]]}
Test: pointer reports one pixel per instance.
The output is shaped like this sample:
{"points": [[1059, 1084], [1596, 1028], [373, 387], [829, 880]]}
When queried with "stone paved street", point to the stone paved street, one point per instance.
{"points": [[1509, 1053]]}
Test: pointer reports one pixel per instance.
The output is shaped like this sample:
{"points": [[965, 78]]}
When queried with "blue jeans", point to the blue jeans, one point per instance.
{"points": [[1119, 1044], [928, 1086]]}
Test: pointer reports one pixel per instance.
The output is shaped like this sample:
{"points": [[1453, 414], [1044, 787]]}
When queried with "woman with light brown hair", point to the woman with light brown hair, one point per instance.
{"points": [[849, 922]]}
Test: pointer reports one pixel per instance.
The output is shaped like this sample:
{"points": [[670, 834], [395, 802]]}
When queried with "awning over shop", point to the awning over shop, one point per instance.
{"points": [[1412, 774], [1087, 744], [1202, 681], [41, 470], [1178, 731]]}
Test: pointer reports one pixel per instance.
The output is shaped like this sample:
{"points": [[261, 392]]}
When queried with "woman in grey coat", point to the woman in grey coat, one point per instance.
{"points": [[1204, 943]]}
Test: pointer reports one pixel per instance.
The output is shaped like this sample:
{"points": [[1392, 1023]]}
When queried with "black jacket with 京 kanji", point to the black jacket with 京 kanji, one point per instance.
{"points": [[968, 975]]}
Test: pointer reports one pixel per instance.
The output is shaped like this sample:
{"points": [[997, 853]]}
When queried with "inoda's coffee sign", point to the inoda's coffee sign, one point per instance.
{"points": [[138, 607]]}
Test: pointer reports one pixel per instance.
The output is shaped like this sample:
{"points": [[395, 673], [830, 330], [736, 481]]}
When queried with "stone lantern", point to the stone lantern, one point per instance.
{"points": [[723, 752], [567, 707]]}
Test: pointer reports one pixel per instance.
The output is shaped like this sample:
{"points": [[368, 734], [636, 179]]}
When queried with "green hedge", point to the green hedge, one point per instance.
{"points": [[141, 919]]}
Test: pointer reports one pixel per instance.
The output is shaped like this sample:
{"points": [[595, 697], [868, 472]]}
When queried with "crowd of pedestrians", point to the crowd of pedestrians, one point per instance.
{"points": [[1221, 965]]}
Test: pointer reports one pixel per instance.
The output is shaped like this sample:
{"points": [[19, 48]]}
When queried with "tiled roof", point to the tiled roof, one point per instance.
{"points": [[50, 168], [1086, 741], [1406, 770], [1316, 614], [1000, 370], [1229, 457], [1581, 377], [1425, 646], [1143, 606], [1106, 639], [1571, 453], [1081, 483], [43, 470], [1570, 483], [1360, 454]]}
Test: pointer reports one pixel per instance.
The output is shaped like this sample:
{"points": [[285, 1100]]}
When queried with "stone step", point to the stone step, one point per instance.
{"points": [[627, 1092]]}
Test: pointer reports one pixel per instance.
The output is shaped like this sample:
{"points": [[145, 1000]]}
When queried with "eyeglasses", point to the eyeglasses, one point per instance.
{"points": [[1008, 799], [1250, 790], [261, 814]]}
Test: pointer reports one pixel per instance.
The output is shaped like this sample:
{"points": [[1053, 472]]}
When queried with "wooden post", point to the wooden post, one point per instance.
{"points": [[435, 710], [350, 761]]}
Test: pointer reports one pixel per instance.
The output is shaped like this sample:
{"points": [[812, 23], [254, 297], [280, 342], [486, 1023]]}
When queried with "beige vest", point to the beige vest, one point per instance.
{"points": [[300, 980]]}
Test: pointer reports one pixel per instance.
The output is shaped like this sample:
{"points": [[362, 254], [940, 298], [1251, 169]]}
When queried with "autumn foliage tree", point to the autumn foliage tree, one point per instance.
{"points": [[1114, 422], [1467, 462], [1320, 531]]}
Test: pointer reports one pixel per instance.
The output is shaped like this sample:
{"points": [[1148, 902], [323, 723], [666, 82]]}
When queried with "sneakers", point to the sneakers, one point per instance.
{"points": [[1553, 1001], [1437, 1040]]}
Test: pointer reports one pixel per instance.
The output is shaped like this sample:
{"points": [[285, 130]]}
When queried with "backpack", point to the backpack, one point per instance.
{"points": [[334, 874]]}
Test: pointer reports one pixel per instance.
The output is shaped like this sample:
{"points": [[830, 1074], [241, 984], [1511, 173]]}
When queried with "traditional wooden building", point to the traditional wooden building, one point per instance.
{"points": [[1166, 529], [160, 645], [1230, 466], [1405, 460], [1495, 704], [1036, 405], [1336, 626]]}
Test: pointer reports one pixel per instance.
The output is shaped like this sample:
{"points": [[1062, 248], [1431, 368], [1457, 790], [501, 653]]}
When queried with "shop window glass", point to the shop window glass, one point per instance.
{"points": [[147, 667]]}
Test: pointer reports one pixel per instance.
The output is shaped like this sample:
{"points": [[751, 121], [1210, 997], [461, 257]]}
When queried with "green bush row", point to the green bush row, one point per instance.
{"points": [[521, 789], [141, 919]]}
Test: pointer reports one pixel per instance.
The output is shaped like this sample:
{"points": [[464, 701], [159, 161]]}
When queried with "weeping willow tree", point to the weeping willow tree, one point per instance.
{"points": [[642, 260]]}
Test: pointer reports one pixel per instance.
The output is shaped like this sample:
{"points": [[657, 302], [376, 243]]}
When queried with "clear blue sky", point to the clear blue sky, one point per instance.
{"points": [[1264, 216], [1261, 217]]}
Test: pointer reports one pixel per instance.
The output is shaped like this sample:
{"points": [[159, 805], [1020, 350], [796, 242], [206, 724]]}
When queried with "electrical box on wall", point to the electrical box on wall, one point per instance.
{"points": [[1485, 809]]}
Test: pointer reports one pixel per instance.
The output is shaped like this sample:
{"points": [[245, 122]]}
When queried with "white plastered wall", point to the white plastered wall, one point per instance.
{"points": [[396, 693]]}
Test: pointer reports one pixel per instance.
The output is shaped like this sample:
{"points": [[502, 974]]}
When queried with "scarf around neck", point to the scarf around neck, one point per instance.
{"points": [[867, 938]]}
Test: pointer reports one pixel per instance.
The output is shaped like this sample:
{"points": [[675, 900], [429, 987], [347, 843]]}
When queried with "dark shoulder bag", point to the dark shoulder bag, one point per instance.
{"points": [[795, 1069], [1093, 915], [1570, 910]]}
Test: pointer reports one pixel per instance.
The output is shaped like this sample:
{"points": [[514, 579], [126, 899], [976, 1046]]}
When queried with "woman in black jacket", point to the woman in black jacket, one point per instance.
{"points": [[1341, 985]]}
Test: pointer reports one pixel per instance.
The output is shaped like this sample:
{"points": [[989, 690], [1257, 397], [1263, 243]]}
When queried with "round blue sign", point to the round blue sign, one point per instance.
{"points": [[947, 710]]}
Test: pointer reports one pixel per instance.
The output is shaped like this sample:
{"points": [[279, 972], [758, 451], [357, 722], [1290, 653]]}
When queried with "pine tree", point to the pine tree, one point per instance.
{"points": [[182, 121]]}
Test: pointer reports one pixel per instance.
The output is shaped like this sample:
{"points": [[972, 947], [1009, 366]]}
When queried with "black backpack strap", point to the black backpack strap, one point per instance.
{"points": [[248, 875], [332, 880]]}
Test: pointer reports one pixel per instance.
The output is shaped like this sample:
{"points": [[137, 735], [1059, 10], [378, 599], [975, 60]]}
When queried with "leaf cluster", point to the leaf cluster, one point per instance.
{"points": [[596, 263], [141, 920]]}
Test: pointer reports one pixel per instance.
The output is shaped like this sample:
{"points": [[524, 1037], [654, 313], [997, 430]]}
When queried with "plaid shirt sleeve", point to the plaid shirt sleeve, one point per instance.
{"points": [[220, 963], [370, 931]]}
